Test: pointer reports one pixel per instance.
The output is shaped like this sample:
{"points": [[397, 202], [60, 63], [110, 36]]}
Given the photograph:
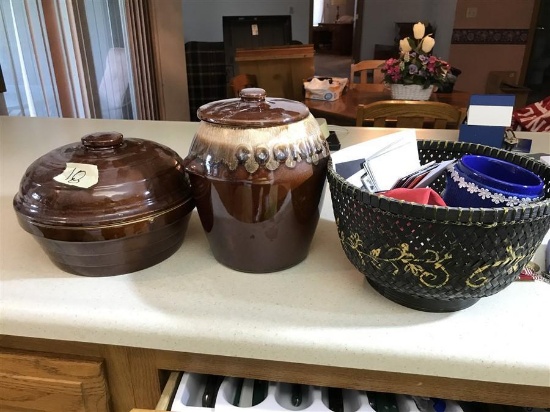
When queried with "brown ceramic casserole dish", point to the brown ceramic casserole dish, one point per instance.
{"points": [[107, 205]]}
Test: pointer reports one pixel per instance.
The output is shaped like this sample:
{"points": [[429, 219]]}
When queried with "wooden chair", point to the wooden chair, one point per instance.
{"points": [[242, 81], [366, 68], [409, 114]]}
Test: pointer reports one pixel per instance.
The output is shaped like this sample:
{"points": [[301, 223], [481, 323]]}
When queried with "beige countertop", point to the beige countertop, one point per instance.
{"points": [[321, 312]]}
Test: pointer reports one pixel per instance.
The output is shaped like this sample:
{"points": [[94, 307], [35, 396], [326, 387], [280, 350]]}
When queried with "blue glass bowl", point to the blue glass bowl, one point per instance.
{"points": [[481, 181]]}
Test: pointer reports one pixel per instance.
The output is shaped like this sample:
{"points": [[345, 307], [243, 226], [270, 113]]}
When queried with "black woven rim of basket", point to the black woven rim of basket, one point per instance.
{"points": [[434, 252], [452, 150]]}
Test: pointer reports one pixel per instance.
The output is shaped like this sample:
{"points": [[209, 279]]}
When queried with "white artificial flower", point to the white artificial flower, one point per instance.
{"points": [[419, 30], [404, 45], [427, 44]]}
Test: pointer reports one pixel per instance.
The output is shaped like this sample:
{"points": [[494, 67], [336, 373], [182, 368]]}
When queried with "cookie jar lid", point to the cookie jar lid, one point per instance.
{"points": [[253, 109], [254, 131], [103, 180]]}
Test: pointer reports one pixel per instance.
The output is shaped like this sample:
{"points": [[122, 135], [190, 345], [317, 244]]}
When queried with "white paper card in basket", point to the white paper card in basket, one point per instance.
{"points": [[378, 163]]}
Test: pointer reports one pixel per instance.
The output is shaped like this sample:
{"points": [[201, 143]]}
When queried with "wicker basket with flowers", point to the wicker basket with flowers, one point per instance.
{"points": [[416, 72]]}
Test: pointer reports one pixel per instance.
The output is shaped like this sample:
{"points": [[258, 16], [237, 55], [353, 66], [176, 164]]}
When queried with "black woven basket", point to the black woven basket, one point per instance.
{"points": [[434, 258]]}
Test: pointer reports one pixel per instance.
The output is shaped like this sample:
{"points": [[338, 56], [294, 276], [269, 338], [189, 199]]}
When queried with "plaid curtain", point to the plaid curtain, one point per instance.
{"points": [[206, 74]]}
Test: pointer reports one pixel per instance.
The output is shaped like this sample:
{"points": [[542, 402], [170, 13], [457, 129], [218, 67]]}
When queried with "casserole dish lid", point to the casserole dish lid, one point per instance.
{"points": [[103, 180]]}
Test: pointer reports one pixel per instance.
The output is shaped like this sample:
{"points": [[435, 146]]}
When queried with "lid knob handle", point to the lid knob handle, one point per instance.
{"points": [[102, 140], [252, 94]]}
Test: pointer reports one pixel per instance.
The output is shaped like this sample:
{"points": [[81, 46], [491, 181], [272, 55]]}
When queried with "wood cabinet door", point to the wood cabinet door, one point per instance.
{"points": [[43, 382]]}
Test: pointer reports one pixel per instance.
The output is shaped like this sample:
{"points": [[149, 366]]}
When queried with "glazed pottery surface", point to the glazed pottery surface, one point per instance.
{"points": [[257, 167], [107, 205]]}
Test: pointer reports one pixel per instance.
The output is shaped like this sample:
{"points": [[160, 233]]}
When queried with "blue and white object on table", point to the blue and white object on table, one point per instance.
{"points": [[488, 117], [481, 181], [491, 109]]}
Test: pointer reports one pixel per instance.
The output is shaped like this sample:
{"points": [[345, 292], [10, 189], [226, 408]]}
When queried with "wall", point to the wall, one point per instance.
{"points": [[477, 49], [203, 22], [202, 19], [380, 17]]}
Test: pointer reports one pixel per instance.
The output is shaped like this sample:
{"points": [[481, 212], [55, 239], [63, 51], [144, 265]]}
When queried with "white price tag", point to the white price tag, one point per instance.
{"points": [[79, 175], [255, 30]]}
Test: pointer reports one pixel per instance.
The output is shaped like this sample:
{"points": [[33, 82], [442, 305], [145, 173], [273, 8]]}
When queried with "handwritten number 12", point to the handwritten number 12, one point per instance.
{"points": [[76, 175]]}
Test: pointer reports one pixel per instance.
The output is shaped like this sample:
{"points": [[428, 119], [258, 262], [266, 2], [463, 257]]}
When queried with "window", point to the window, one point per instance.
{"points": [[94, 58], [66, 58]]}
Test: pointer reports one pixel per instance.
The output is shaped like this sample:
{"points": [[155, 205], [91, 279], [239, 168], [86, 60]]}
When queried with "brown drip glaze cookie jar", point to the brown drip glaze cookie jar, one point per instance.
{"points": [[257, 167], [106, 205]]}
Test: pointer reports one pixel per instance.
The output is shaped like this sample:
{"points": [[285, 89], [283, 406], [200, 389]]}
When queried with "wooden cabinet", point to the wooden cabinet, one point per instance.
{"points": [[318, 324], [43, 382], [167, 394], [70, 382], [279, 70]]}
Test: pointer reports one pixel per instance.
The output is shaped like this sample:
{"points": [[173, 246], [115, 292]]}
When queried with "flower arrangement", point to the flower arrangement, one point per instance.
{"points": [[415, 64]]}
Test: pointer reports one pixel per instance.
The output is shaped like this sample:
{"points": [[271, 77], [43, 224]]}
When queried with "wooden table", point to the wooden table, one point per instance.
{"points": [[343, 111]]}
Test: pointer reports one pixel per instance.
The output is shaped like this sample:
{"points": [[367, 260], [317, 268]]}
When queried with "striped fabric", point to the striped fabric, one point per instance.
{"points": [[206, 74], [533, 118]]}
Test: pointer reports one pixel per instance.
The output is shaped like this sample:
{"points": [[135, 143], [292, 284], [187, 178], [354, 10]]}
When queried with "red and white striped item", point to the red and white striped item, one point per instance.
{"points": [[533, 118]]}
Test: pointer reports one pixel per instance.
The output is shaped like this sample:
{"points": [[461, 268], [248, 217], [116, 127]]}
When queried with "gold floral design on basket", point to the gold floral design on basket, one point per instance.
{"points": [[428, 268], [476, 279]]}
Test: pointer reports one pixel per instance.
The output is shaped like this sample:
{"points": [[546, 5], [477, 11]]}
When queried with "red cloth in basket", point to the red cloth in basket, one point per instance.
{"points": [[423, 195]]}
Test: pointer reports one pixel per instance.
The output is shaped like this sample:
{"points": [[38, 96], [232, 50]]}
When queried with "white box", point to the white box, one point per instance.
{"points": [[317, 89]]}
